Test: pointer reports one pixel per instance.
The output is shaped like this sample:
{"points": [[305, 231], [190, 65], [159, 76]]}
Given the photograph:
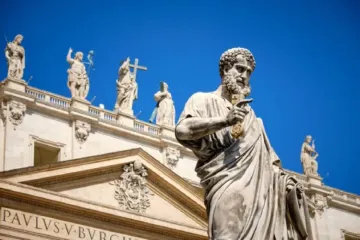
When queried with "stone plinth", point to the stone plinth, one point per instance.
{"points": [[80, 104], [125, 119], [16, 84], [168, 131], [315, 180]]}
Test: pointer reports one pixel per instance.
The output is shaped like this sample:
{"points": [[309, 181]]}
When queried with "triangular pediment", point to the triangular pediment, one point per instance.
{"points": [[95, 180]]}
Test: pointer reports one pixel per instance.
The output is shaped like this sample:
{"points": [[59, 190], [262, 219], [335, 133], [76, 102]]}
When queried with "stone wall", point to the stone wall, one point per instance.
{"points": [[79, 130]]}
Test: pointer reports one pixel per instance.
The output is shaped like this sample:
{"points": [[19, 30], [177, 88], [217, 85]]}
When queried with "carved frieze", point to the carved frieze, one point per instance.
{"points": [[320, 203], [3, 112], [82, 131], [131, 190], [172, 156], [16, 113]]}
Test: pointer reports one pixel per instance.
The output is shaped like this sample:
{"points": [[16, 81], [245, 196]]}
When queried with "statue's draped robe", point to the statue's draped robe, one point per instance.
{"points": [[16, 64], [308, 161], [166, 110], [245, 198], [127, 91]]}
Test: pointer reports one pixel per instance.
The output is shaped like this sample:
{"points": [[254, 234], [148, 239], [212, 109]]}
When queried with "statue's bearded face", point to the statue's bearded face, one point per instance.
{"points": [[236, 77], [18, 40]]}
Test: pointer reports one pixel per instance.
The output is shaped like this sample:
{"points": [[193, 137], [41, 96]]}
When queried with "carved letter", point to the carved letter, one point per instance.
{"points": [[16, 217], [7, 214], [81, 232], [91, 235], [102, 236], [68, 230], [27, 221], [57, 230], [37, 223], [46, 226], [111, 237]]}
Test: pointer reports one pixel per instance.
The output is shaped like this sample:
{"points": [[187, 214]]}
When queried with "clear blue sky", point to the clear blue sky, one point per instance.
{"points": [[307, 54]]}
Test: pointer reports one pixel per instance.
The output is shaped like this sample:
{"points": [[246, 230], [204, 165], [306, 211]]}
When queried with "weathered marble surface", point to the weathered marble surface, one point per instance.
{"points": [[308, 157], [127, 89], [78, 81], [165, 109], [247, 194], [15, 56]]}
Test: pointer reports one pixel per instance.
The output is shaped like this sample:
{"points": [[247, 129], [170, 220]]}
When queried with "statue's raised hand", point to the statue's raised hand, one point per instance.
{"points": [[236, 114], [70, 50]]}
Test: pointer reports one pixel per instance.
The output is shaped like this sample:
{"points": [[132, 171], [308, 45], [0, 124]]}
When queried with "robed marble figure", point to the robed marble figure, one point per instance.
{"points": [[165, 109], [15, 56], [248, 196], [127, 89], [308, 157]]}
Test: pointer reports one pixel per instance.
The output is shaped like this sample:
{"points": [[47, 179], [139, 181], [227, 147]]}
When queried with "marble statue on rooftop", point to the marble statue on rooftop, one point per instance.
{"points": [[78, 81], [127, 89], [308, 157], [165, 109], [15, 56], [248, 196]]}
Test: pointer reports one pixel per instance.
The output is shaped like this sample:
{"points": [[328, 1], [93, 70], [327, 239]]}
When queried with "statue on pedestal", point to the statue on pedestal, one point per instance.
{"points": [[308, 157], [127, 89], [165, 109], [15, 56], [248, 196], [78, 81]]}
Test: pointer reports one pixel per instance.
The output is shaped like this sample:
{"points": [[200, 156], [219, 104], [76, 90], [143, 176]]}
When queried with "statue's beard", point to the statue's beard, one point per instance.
{"points": [[229, 82]]}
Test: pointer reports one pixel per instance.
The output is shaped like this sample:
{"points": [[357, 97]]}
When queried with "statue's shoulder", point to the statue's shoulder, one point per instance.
{"points": [[201, 96]]}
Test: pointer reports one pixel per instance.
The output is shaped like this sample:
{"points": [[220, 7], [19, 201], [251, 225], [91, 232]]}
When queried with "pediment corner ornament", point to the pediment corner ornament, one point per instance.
{"points": [[16, 113], [131, 189], [172, 156], [82, 131]]}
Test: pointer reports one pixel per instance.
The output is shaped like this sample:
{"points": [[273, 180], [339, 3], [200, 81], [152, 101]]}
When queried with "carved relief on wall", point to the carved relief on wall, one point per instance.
{"points": [[16, 112], [131, 191], [321, 203], [3, 112], [82, 130], [172, 156]]}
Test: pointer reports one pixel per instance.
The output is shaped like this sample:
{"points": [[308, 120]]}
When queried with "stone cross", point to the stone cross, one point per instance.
{"points": [[135, 66]]}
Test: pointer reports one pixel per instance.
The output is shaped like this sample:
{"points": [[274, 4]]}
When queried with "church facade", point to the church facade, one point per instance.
{"points": [[70, 170]]}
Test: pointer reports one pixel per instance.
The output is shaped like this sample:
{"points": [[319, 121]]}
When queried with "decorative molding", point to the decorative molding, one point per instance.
{"points": [[351, 235], [320, 204], [16, 113], [131, 191], [3, 112], [82, 131], [172, 156]]}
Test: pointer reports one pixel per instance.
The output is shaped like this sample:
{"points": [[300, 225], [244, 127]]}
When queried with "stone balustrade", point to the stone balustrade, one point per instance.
{"points": [[101, 114]]}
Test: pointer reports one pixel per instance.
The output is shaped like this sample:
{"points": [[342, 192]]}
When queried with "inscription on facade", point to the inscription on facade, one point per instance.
{"points": [[53, 227]]}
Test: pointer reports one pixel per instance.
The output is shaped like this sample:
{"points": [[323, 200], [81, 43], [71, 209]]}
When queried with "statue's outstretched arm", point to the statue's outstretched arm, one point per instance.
{"points": [[195, 127]]}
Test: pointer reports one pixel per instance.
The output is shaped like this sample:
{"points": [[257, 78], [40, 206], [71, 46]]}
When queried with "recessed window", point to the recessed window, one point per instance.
{"points": [[45, 154]]}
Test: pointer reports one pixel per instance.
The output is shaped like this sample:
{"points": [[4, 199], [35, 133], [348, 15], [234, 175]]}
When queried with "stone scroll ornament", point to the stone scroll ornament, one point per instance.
{"points": [[17, 113], [172, 157], [82, 131], [131, 191]]}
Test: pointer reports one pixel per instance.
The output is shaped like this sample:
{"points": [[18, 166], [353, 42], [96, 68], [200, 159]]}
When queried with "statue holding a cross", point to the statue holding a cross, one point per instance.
{"points": [[127, 88]]}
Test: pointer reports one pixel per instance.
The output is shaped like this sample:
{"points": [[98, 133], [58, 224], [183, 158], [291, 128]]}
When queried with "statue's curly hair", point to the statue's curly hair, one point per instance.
{"points": [[228, 58]]}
